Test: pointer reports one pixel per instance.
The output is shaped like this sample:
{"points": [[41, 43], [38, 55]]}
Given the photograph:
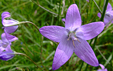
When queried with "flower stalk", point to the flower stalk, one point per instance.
{"points": [[28, 58], [23, 23]]}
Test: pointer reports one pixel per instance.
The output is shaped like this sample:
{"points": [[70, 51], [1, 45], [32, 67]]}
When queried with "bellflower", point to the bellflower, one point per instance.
{"points": [[9, 22], [103, 68], [5, 50], [72, 38], [108, 15]]}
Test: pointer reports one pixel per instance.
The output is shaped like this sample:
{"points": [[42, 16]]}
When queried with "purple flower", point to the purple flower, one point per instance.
{"points": [[72, 38], [10, 29], [5, 50], [9, 22], [108, 15], [103, 68]]}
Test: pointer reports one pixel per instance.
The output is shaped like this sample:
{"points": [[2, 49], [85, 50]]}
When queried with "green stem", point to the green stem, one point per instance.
{"points": [[28, 58], [30, 23], [86, 67], [102, 17], [104, 10], [81, 66], [23, 22], [59, 11], [37, 3], [80, 6], [41, 53], [97, 6]]}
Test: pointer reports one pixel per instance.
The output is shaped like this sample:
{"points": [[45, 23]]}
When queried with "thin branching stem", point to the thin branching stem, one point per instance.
{"points": [[81, 66], [37, 3], [28, 58], [23, 22], [102, 17], [30, 23], [97, 6], [41, 53]]}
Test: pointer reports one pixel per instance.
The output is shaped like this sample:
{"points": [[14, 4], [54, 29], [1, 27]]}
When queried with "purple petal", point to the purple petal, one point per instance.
{"points": [[3, 37], [85, 52], [6, 55], [102, 70], [109, 7], [9, 22], [62, 54], [63, 19], [99, 15], [11, 29], [108, 17], [99, 70], [5, 15], [101, 66], [1, 48], [106, 20], [90, 30], [54, 33], [105, 70], [10, 37], [73, 18]]}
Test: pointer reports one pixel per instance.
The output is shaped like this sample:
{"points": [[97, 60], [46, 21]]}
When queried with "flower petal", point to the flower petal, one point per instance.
{"points": [[85, 52], [90, 30], [102, 66], [108, 17], [11, 29], [63, 19], [109, 7], [4, 39], [53, 33], [5, 15], [73, 18], [9, 22], [62, 54], [6, 55], [99, 15], [10, 37]]}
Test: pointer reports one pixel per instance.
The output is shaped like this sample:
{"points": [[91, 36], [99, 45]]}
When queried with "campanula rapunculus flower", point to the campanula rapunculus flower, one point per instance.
{"points": [[108, 15], [5, 50], [72, 38], [103, 68], [7, 22], [6, 25]]}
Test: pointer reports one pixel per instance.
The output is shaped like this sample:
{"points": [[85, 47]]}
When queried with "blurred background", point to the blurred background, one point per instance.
{"points": [[40, 49]]}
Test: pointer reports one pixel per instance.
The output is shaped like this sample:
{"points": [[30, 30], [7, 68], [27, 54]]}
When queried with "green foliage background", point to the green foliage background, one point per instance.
{"points": [[40, 49]]}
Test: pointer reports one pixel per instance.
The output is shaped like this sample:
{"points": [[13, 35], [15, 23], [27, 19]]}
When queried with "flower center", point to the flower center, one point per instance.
{"points": [[108, 14], [4, 45], [72, 36]]}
